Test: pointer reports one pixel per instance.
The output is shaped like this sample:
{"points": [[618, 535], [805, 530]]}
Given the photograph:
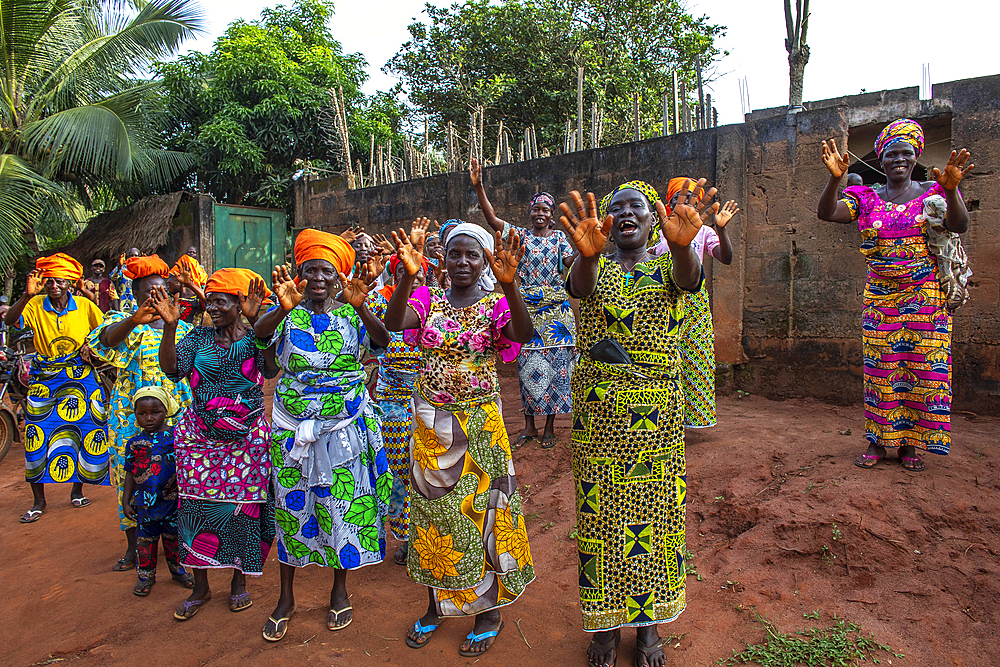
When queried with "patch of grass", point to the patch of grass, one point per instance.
{"points": [[839, 645], [689, 568], [836, 533]]}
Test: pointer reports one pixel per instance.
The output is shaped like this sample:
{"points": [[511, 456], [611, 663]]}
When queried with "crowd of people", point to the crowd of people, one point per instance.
{"points": [[388, 409]]}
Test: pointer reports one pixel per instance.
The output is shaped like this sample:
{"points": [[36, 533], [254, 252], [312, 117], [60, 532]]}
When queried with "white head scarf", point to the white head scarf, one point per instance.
{"points": [[485, 241]]}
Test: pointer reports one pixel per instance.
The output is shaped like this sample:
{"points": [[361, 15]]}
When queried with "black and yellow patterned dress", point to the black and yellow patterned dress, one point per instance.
{"points": [[628, 450]]}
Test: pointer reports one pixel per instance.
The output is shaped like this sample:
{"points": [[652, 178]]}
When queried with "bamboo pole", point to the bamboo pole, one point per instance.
{"points": [[685, 108], [579, 108], [701, 93], [635, 116], [499, 143], [708, 110], [666, 115], [677, 115], [449, 133], [371, 163]]}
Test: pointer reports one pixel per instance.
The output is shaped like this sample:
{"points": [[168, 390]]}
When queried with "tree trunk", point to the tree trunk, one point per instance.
{"points": [[796, 73]]}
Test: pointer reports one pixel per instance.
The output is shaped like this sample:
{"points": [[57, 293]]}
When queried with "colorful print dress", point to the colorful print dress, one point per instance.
{"points": [[545, 364], [399, 366], [65, 434], [468, 540], [137, 361], [906, 326], [628, 449], [226, 515], [328, 514], [123, 285]]}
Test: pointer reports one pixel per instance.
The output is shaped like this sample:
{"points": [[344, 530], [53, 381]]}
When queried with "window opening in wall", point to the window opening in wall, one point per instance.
{"points": [[937, 148]]}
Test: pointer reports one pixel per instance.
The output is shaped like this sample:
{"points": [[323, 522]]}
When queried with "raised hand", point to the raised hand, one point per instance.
{"points": [[383, 244], [508, 256], [168, 308], [285, 290], [411, 258], [418, 232], [36, 283], [440, 272], [250, 304], [588, 232], [833, 160], [953, 172], [475, 172], [357, 287], [726, 213], [351, 233], [145, 313], [184, 276], [683, 223]]}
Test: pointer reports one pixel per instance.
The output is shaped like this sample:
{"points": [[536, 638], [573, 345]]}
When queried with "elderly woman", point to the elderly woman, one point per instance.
{"points": [[226, 514], [906, 323], [628, 410], [469, 542], [331, 476], [545, 364], [65, 437], [399, 366], [131, 343]]}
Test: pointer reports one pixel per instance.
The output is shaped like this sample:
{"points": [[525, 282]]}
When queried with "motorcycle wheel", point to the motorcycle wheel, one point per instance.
{"points": [[7, 427]]}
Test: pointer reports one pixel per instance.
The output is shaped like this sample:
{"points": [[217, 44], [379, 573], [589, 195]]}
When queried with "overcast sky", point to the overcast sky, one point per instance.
{"points": [[855, 44]]}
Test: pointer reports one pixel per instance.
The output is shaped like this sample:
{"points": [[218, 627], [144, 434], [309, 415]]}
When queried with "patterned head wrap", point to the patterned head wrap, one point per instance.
{"points": [[159, 393], [651, 195], [447, 225], [60, 265], [676, 185], [544, 197], [142, 266], [314, 244], [903, 129]]}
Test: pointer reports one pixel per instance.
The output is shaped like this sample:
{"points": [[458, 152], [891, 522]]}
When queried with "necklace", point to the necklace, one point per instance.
{"points": [[892, 200]]}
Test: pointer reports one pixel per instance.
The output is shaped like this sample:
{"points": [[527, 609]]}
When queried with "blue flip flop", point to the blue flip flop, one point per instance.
{"points": [[421, 630], [478, 638]]}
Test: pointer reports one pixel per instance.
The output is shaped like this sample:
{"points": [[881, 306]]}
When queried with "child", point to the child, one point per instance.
{"points": [[149, 496]]}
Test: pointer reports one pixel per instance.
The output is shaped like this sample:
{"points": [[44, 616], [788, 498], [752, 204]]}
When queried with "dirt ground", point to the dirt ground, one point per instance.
{"points": [[779, 520]]}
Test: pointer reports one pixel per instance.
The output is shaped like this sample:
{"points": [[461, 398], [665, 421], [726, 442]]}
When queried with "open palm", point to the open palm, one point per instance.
{"points": [[285, 290], [508, 256], [688, 215], [589, 233]]}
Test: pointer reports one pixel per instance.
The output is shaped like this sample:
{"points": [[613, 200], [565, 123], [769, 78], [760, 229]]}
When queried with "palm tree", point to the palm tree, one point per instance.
{"points": [[79, 117]]}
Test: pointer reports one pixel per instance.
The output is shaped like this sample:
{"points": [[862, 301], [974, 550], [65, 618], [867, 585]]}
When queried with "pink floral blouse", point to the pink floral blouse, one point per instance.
{"points": [[460, 346]]}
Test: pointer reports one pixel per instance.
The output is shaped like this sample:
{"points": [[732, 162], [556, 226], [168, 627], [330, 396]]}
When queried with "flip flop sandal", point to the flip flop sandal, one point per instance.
{"points": [[279, 631], [238, 603], [142, 588], [648, 651], [80, 502], [123, 565], [604, 647], [399, 558], [912, 461], [421, 631], [549, 441], [185, 580], [522, 440], [474, 638], [189, 608], [867, 457], [331, 619], [31, 516]]}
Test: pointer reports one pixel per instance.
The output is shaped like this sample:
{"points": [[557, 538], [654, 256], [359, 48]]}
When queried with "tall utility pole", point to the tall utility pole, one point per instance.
{"points": [[798, 50]]}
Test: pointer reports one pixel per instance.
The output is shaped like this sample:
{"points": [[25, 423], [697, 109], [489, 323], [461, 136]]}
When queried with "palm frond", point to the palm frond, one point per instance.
{"points": [[24, 194]]}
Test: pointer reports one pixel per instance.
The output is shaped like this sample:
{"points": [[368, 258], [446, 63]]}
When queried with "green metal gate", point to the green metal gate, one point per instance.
{"points": [[248, 237]]}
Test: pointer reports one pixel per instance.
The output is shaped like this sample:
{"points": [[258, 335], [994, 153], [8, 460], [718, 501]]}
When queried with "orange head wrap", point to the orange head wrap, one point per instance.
{"points": [[233, 281], [314, 244], [195, 269], [142, 266], [675, 185], [60, 265]]}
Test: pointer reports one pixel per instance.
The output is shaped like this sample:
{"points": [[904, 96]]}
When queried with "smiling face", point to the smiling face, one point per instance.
{"points": [[432, 245], [464, 260], [898, 161], [150, 414], [632, 218], [541, 215], [224, 309], [364, 247], [97, 270], [322, 279]]}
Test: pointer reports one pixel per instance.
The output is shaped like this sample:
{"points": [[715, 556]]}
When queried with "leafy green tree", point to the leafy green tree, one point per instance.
{"points": [[518, 59], [256, 107], [79, 120]]}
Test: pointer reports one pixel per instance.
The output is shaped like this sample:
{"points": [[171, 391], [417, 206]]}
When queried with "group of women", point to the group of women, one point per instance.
{"points": [[429, 449]]}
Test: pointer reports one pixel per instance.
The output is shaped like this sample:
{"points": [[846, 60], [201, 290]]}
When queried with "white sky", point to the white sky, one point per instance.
{"points": [[855, 44]]}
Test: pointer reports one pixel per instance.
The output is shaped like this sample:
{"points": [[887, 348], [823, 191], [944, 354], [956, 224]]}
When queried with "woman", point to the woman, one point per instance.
{"points": [[187, 276], [906, 325], [470, 544], [330, 473], [698, 337], [65, 437], [545, 364], [399, 365], [131, 343], [628, 435], [226, 514], [123, 284]]}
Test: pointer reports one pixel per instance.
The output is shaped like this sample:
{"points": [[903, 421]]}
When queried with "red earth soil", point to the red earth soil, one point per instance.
{"points": [[912, 557]]}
